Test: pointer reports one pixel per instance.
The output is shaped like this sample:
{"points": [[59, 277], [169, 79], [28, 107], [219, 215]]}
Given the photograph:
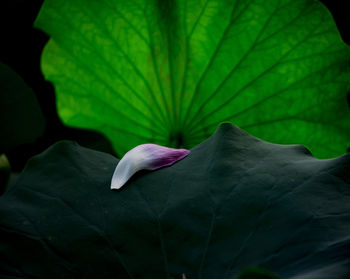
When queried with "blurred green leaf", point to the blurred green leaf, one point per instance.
{"points": [[5, 170], [169, 71], [21, 119]]}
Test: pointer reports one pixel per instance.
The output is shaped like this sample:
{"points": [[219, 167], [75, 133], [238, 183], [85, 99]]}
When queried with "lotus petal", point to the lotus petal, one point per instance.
{"points": [[145, 157]]}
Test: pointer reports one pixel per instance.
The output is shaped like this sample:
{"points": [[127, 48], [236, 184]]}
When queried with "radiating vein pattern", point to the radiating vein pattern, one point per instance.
{"points": [[169, 71]]}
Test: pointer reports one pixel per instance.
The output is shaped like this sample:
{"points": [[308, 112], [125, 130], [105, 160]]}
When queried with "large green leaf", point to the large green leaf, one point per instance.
{"points": [[168, 71], [234, 202]]}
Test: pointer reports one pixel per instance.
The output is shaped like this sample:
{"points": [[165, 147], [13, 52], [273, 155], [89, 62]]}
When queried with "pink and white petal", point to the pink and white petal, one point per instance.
{"points": [[145, 157]]}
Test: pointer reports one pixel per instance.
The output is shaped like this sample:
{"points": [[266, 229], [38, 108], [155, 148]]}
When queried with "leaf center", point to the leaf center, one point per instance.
{"points": [[176, 139]]}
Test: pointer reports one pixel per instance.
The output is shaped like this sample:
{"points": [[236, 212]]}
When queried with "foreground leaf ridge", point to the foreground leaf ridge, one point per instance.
{"points": [[236, 202]]}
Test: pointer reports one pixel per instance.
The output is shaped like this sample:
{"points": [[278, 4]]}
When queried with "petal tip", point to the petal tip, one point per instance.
{"points": [[118, 181], [116, 185]]}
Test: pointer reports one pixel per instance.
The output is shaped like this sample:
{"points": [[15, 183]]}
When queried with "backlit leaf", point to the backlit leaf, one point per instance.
{"points": [[169, 71]]}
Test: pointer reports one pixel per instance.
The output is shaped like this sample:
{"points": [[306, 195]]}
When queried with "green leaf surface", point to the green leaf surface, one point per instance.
{"points": [[234, 202], [169, 71]]}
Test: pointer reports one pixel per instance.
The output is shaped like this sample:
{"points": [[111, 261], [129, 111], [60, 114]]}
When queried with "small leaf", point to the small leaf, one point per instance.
{"points": [[145, 157]]}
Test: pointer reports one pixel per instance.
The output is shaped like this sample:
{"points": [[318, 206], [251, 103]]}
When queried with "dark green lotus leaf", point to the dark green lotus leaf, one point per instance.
{"points": [[234, 202], [21, 119], [169, 71], [256, 273]]}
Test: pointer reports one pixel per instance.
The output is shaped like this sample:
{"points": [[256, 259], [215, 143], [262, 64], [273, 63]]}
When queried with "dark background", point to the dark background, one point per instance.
{"points": [[20, 48]]}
